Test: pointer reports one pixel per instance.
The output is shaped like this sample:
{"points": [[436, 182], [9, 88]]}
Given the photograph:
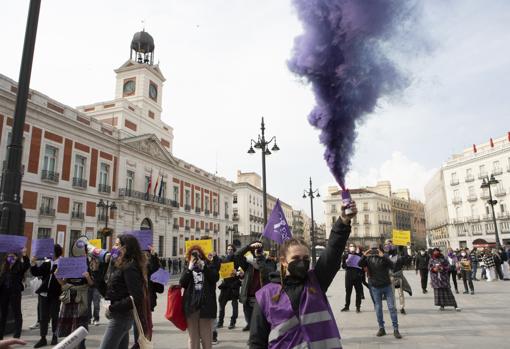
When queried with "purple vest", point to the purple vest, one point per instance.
{"points": [[314, 329]]}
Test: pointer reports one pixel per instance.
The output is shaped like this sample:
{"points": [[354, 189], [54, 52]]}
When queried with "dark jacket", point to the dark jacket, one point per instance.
{"points": [[265, 268], [50, 286], [230, 286], [422, 262], [13, 278], [154, 287], [123, 283], [352, 273], [378, 270], [326, 269], [205, 301]]}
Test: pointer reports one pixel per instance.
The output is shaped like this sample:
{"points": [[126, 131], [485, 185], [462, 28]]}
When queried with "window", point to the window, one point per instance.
{"points": [[333, 208], [215, 205], [234, 198], [250, 199], [469, 172], [77, 207], [495, 166], [482, 170], [174, 246], [176, 193], [502, 207], [454, 176], [333, 219], [206, 203], [226, 207], [365, 206], [103, 174], [46, 203], [50, 158], [187, 197], [130, 180], [79, 166], [161, 245], [366, 220], [187, 223], [471, 191], [487, 210], [197, 200], [473, 210], [176, 222], [456, 194], [44, 233]]}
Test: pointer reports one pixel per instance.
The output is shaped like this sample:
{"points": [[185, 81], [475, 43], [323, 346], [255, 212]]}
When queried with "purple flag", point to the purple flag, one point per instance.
{"points": [[12, 243], [277, 228], [144, 238], [161, 276]]}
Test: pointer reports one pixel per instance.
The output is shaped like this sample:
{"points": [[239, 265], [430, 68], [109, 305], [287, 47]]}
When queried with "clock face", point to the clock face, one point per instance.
{"points": [[129, 87], [153, 91]]}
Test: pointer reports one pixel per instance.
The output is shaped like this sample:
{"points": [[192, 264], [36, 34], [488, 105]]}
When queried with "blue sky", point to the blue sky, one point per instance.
{"points": [[225, 64]]}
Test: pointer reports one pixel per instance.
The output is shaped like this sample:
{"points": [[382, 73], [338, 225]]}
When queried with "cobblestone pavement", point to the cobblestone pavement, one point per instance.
{"points": [[483, 322]]}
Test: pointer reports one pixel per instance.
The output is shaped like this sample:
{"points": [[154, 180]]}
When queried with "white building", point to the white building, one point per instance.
{"points": [[118, 151], [469, 216]]}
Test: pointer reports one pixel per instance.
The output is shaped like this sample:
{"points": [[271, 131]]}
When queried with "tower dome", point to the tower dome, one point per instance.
{"points": [[143, 46]]}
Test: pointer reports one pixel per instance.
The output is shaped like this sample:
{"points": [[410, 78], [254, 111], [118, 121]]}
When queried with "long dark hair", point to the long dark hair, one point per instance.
{"points": [[132, 254]]}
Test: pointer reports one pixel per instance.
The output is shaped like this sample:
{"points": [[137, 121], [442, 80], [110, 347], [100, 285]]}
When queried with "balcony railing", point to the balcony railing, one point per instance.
{"points": [[207, 212], [216, 214], [187, 208], [472, 197], [77, 215], [174, 203], [470, 178], [461, 233], [128, 193], [104, 188], [473, 219], [101, 217], [47, 211], [456, 201], [49, 176], [504, 215], [497, 171], [366, 222], [235, 217], [500, 192], [79, 183], [176, 226], [206, 230], [197, 230], [197, 210], [457, 221], [482, 175], [454, 181], [487, 217], [186, 228]]}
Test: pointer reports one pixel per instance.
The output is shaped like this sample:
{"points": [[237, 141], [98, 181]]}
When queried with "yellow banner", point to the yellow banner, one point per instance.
{"points": [[226, 270], [206, 245], [96, 243], [401, 237]]}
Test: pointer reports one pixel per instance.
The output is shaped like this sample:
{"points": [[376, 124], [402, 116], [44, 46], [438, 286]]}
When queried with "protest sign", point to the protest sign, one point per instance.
{"points": [[43, 248], [206, 245], [401, 237], [144, 238], [12, 243], [161, 276], [71, 267], [96, 243], [226, 270]]}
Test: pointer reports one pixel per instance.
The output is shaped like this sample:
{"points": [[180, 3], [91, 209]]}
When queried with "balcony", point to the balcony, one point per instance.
{"points": [[461, 233], [504, 216], [206, 230], [454, 181], [77, 215], [176, 226], [235, 217], [472, 197], [473, 219], [487, 217], [215, 214], [187, 208], [500, 192], [227, 216], [456, 201], [49, 176], [187, 228], [104, 188], [197, 230], [128, 193], [366, 222], [101, 217], [470, 178], [197, 210], [457, 221], [484, 195], [174, 203], [497, 171], [79, 183], [207, 212], [46, 211]]}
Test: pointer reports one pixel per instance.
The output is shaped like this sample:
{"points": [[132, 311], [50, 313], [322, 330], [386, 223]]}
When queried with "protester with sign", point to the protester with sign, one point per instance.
{"points": [[293, 309], [199, 281], [48, 295], [255, 275], [229, 289], [126, 278], [12, 270], [353, 276], [439, 266]]}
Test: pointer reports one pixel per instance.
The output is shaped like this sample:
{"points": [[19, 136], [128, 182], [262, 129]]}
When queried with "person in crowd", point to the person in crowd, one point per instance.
{"points": [[12, 270], [353, 276], [125, 282], [229, 290], [439, 277], [453, 261], [497, 264], [162, 262], [473, 255], [94, 297], [398, 281], [490, 265], [180, 265], [465, 270], [504, 257], [48, 295], [256, 274], [199, 281], [292, 311], [422, 267], [378, 269]]}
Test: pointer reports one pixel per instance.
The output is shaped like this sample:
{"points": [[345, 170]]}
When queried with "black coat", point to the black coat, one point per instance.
{"points": [[422, 262], [154, 287], [208, 306], [51, 287], [14, 276], [266, 267], [123, 283], [230, 286], [378, 270]]}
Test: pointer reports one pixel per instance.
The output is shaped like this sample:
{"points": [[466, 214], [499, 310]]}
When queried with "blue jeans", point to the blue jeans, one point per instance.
{"points": [[473, 272], [117, 333], [378, 293]]}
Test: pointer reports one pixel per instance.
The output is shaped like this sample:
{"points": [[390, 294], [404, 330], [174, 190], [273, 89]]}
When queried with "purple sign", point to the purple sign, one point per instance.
{"points": [[277, 228], [43, 248], [161, 277], [353, 261], [12, 243], [144, 238], [71, 267]]}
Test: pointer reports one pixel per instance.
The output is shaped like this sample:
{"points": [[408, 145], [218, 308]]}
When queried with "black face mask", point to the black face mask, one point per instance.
{"points": [[299, 268]]}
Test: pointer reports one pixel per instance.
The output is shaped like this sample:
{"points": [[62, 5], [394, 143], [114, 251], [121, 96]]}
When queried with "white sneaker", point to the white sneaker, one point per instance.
{"points": [[34, 326], [95, 323]]}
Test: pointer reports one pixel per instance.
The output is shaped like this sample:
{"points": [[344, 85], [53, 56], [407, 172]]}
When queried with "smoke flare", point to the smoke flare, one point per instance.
{"points": [[342, 54]]}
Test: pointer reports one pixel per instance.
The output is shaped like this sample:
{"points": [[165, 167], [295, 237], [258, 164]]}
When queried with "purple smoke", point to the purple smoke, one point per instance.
{"points": [[341, 54]]}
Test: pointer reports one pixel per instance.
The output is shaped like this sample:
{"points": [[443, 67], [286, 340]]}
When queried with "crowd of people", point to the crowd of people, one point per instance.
{"points": [[283, 301]]}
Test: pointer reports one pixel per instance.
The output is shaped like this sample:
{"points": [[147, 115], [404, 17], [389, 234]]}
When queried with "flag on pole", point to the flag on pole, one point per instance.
{"points": [[156, 186], [161, 185], [149, 185], [277, 228]]}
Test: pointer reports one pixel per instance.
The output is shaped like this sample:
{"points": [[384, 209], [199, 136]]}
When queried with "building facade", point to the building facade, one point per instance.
{"points": [[116, 151], [466, 215]]}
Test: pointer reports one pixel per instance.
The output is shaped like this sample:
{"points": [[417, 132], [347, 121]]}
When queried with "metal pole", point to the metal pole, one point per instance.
{"points": [[498, 245], [314, 255], [12, 213], [264, 193]]}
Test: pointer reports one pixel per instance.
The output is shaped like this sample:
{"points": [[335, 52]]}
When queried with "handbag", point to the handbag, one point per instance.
{"points": [[175, 308], [143, 342]]}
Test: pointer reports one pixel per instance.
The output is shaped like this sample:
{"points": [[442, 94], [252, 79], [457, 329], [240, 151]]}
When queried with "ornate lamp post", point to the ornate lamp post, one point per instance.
{"points": [[486, 183], [312, 194], [106, 207]]}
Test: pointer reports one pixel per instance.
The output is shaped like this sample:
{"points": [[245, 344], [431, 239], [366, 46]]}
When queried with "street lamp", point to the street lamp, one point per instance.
{"points": [[105, 207], [263, 145], [312, 194], [486, 183]]}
